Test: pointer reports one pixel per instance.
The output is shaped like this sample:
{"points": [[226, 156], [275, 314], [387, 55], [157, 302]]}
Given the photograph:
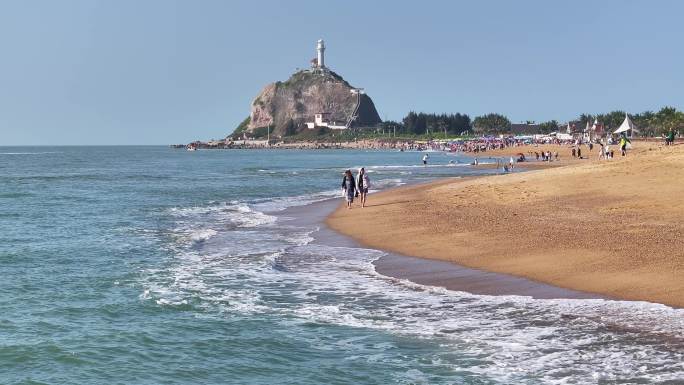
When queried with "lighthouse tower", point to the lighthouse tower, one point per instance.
{"points": [[320, 47]]}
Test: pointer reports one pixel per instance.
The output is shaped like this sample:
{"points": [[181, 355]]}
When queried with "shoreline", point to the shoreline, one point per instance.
{"points": [[384, 143], [422, 271], [604, 238]]}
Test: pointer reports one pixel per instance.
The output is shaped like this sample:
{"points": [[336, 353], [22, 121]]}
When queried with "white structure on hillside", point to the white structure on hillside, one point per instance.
{"points": [[320, 48], [322, 119]]}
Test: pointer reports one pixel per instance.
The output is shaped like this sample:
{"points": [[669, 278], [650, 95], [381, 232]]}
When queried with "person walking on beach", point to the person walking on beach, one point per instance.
{"points": [[363, 184], [425, 159], [623, 144], [669, 139], [349, 188]]}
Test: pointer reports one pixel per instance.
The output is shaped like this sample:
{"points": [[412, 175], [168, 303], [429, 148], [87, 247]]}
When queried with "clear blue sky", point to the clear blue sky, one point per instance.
{"points": [[159, 72]]}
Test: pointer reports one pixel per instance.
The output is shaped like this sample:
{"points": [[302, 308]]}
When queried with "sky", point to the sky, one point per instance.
{"points": [[162, 71]]}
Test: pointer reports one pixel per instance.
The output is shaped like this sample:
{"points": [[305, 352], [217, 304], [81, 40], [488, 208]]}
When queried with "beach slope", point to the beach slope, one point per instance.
{"points": [[614, 228]]}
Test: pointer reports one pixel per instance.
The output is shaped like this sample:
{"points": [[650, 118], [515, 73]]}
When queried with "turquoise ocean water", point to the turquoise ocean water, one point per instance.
{"points": [[148, 265]]}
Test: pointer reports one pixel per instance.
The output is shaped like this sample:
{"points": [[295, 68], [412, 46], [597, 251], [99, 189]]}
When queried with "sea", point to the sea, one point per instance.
{"points": [[152, 265]]}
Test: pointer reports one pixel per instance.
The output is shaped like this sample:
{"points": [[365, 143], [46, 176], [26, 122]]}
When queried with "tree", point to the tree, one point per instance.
{"points": [[645, 122], [584, 118], [410, 122], [548, 127], [290, 128], [491, 123], [419, 123], [668, 118], [612, 120], [390, 127]]}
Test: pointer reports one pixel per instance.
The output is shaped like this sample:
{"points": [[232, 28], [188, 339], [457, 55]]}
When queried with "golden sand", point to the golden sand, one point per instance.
{"points": [[611, 227]]}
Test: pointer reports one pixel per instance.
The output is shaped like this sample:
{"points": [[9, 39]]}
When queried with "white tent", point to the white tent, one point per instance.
{"points": [[568, 130], [626, 126]]}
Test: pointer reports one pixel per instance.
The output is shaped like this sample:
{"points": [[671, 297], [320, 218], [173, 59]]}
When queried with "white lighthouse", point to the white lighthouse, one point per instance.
{"points": [[320, 47]]}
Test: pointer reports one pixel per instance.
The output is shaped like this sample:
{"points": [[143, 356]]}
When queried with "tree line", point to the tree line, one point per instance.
{"points": [[649, 123], [423, 123]]}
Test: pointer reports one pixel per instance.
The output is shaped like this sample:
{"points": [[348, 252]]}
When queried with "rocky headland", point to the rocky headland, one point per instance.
{"points": [[288, 106]]}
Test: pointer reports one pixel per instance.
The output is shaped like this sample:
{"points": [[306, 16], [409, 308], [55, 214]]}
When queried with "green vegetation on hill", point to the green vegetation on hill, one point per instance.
{"points": [[242, 127], [305, 77]]}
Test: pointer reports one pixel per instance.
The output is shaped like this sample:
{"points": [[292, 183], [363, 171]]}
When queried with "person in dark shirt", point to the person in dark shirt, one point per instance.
{"points": [[349, 188]]}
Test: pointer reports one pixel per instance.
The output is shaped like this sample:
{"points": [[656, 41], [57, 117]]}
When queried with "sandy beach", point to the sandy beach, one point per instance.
{"points": [[608, 227]]}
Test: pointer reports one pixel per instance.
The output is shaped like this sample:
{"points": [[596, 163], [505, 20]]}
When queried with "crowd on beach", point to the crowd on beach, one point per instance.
{"points": [[580, 148], [485, 144], [474, 145], [357, 187]]}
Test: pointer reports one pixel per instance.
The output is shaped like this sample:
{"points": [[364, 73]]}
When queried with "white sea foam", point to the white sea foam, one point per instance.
{"points": [[387, 183], [275, 270], [239, 214], [274, 205], [418, 166], [202, 234]]}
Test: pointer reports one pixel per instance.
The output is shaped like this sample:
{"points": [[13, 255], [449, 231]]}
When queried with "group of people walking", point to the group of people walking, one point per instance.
{"points": [[355, 187]]}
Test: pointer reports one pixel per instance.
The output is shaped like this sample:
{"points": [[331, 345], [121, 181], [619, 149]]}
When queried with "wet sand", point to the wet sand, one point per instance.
{"points": [[425, 271], [613, 228]]}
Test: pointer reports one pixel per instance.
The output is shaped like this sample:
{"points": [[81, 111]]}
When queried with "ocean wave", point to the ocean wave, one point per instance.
{"points": [[202, 234], [236, 213], [417, 166], [520, 337], [517, 333], [387, 183], [272, 205], [276, 270]]}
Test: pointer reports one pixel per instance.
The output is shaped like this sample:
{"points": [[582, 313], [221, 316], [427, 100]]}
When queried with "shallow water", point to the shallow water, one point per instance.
{"points": [[150, 265]]}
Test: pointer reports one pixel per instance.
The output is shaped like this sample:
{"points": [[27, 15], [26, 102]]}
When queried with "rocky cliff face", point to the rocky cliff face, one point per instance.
{"points": [[287, 106]]}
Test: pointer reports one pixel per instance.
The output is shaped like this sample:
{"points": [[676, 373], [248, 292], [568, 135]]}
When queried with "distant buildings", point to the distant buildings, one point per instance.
{"points": [[585, 131]]}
